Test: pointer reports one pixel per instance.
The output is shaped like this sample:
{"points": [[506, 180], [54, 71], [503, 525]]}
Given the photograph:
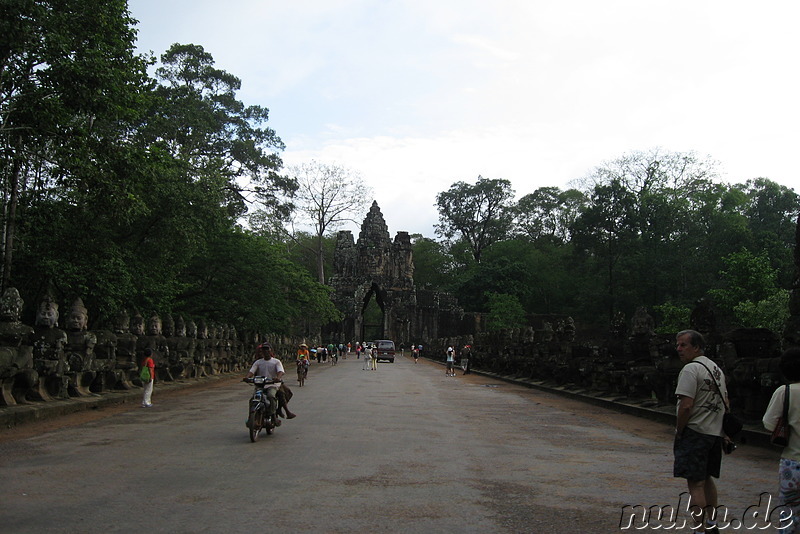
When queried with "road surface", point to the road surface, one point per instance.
{"points": [[401, 449]]}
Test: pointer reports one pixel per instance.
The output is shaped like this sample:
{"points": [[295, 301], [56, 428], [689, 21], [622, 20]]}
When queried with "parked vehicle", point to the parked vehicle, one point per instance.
{"points": [[262, 413], [385, 350]]}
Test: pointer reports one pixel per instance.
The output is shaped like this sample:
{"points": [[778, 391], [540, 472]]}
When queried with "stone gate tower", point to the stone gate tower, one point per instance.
{"points": [[373, 286], [373, 271]]}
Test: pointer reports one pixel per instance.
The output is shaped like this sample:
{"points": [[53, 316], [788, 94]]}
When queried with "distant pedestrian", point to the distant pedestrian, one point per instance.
{"points": [[148, 376], [451, 358], [466, 352], [366, 364]]}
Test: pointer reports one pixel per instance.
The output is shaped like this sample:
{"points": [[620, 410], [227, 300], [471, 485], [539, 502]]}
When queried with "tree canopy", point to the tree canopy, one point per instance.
{"points": [[478, 214], [650, 228], [127, 190]]}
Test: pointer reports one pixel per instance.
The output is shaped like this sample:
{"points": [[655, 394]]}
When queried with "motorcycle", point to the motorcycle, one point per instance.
{"points": [[262, 413]]}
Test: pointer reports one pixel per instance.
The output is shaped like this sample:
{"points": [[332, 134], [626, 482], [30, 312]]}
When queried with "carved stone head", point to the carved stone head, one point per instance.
{"points": [[122, 324], [10, 305], [202, 330], [47, 314], [191, 329], [180, 327], [137, 324], [168, 326], [78, 317], [154, 325]]}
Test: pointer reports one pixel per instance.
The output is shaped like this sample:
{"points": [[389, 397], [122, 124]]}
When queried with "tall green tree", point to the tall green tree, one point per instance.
{"points": [[222, 145], [478, 214], [433, 265], [548, 213], [70, 83], [505, 312], [605, 231], [253, 283], [747, 277], [771, 211], [503, 270], [644, 209]]}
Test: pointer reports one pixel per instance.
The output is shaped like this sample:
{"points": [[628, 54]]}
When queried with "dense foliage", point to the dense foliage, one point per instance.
{"points": [[126, 190], [654, 229]]}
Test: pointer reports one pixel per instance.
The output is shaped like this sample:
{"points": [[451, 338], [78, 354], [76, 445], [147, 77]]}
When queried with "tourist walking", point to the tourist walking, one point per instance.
{"points": [[466, 352], [789, 465]]}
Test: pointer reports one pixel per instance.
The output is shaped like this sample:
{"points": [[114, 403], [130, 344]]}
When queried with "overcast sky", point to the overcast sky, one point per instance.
{"points": [[418, 94]]}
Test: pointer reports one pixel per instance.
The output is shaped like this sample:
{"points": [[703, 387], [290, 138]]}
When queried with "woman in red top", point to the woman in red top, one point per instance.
{"points": [[148, 384]]}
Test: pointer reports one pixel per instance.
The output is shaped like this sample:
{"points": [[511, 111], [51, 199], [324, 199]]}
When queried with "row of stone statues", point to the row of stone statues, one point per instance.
{"points": [[43, 362], [634, 363]]}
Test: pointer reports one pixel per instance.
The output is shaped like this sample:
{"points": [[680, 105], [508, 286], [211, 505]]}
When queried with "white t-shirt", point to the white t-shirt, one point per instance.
{"points": [[695, 381], [775, 411], [269, 368]]}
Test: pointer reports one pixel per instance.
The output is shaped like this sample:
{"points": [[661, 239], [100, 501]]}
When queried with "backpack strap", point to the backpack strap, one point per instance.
{"points": [[786, 404]]}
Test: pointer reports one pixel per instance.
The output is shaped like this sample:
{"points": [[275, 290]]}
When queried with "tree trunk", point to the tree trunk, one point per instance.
{"points": [[320, 261], [11, 225]]}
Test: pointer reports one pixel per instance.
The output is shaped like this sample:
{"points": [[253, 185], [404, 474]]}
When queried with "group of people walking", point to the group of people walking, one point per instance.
{"points": [[702, 401]]}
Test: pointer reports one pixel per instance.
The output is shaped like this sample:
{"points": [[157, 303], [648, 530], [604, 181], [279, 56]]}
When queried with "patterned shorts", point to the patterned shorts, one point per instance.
{"points": [[789, 492], [697, 456]]}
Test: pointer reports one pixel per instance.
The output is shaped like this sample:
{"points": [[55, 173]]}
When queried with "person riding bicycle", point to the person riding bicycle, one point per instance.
{"points": [[304, 356], [270, 367]]}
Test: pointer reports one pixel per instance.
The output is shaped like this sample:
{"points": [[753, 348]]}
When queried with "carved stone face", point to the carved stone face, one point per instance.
{"points": [[168, 326], [47, 315], [123, 323], [10, 305], [180, 327], [137, 325], [77, 320], [154, 326], [191, 329]]}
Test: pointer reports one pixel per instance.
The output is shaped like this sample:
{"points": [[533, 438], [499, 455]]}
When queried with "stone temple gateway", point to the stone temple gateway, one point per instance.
{"points": [[373, 286]]}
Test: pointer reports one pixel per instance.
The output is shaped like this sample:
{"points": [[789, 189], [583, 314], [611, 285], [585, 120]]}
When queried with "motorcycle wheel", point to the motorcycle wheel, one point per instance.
{"points": [[268, 426], [256, 422]]}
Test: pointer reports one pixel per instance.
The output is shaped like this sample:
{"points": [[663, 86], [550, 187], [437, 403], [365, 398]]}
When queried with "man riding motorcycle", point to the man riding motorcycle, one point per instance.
{"points": [[270, 367]]}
